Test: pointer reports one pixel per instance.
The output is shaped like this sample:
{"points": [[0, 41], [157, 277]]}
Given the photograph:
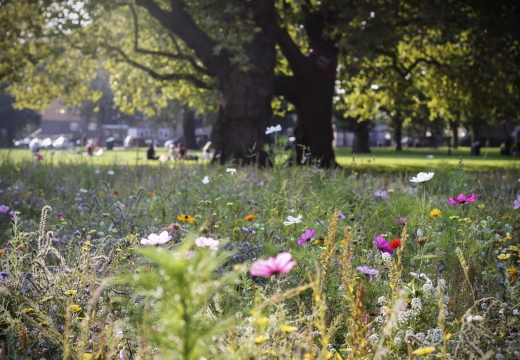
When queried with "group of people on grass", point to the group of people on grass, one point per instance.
{"points": [[174, 153]]}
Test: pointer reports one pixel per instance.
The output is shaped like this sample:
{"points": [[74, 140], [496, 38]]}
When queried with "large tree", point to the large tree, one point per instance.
{"points": [[220, 48]]}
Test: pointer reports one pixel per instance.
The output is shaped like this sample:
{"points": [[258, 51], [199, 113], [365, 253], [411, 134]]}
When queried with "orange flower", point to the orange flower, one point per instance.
{"points": [[2, 252], [250, 217]]}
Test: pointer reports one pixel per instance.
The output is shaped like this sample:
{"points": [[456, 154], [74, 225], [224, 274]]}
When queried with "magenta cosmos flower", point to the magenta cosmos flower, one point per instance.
{"points": [[154, 239], [517, 202], [367, 271], [281, 264], [306, 237], [401, 221], [462, 199], [382, 245]]}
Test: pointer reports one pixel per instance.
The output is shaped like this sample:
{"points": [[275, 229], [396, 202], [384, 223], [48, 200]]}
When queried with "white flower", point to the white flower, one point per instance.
{"points": [[422, 177], [232, 171], [97, 171], [206, 242], [515, 312], [205, 180], [293, 220], [470, 318], [272, 129], [154, 239], [110, 172]]}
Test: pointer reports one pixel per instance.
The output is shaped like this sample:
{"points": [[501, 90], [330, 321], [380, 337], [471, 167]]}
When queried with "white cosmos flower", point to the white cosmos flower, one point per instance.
{"points": [[154, 239], [207, 242], [110, 172], [205, 180], [232, 171], [422, 177], [293, 220], [272, 129]]}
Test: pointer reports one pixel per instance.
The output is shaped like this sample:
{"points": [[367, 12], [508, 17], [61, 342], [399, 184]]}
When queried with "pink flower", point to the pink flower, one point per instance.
{"points": [[462, 199], [281, 264], [367, 271], [206, 242], [401, 221], [154, 239], [307, 235], [517, 202], [59, 215], [38, 157]]}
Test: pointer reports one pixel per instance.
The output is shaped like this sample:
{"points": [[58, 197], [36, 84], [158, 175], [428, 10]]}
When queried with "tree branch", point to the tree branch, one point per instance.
{"points": [[178, 56], [181, 24], [297, 61], [198, 83], [405, 71]]}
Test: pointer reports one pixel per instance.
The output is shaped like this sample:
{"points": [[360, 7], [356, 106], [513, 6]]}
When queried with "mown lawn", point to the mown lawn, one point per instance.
{"points": [[381, 159]]}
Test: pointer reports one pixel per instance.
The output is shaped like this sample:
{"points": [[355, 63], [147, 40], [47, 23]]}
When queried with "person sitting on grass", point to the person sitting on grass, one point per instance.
{"points": [[150, 153]]}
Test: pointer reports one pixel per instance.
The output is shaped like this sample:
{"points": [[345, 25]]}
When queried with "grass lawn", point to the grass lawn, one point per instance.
{"points": [[381, 159]]}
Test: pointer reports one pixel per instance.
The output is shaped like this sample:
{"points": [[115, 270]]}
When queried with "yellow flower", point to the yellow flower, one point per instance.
{"points": [[250, 217], [288, 329], [513, 273], [483, 223], [229, 204], [504, 256], [150, 193], [71, 292], [506, 217], [208, 202], [435, 213], [481, 206], [47, 298], [514, 248], [454, 217], [75, 308], [508, 236], [468, 220], [424, 351], [101, 193], [185, 218], [260, 321], [261, 339], [27, 310]]}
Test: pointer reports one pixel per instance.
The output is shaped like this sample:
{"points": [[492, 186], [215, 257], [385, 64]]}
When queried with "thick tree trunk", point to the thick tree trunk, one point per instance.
{"points": [[188, 128], [362, 135], [313, 129], [398, 129], [245, 106]]}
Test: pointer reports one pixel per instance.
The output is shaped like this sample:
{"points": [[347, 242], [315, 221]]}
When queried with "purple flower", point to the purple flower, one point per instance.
{"points": [[306, 237], [4, 208], [367, 271], [261, 183], [462, 199], [381, 193], [340, 215], [76, 232], [382, 245], [516, 202], [4, 274], [11, 213], [80, 207], [59, 215], [38, 157], [401, 221], [249, 230], [22, 170], [56, 239], [217, 156], [500, 265]]}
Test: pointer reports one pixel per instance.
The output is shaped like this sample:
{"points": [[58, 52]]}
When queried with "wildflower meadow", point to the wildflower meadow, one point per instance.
{"points": [[194, 261]]}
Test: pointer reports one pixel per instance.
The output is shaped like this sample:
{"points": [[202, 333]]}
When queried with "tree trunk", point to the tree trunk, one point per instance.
{"points": [[188, 128], [398, 129], [313, 129], [362, 135], [245, 105], [475, 131], [454, 126]]}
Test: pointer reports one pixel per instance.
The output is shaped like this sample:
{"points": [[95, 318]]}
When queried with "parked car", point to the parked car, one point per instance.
{"points": [[47, 142], [62, 143], [22, 143], [136, 141], [174, 141]]}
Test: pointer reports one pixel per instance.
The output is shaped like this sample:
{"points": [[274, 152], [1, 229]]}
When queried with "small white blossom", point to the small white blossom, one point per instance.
{"points": [[416, 304], [205, 180], [292, 220], [422, 177], [232, 171], [272, 129], [110, 172], [471, 318]]}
